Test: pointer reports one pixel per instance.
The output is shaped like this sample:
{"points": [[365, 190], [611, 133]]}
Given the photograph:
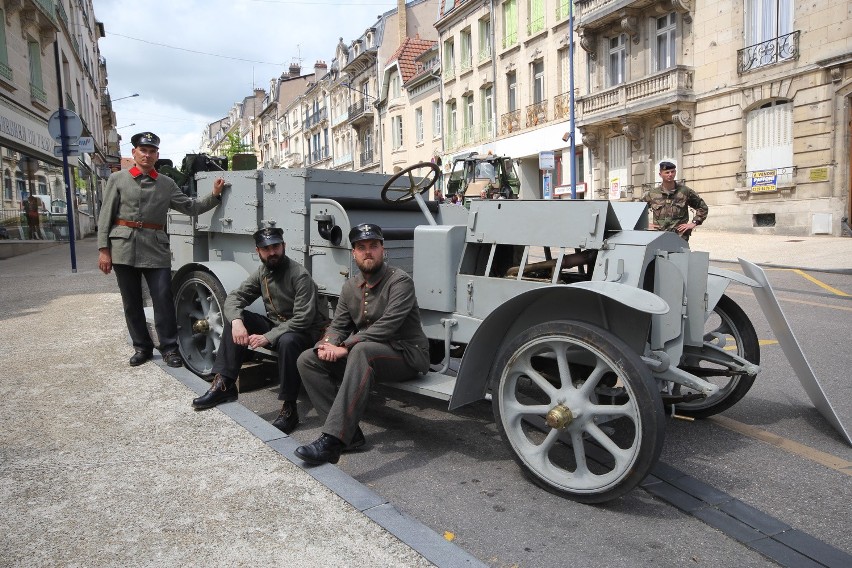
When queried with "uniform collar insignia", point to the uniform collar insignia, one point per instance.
{"points": [[136, 172]]}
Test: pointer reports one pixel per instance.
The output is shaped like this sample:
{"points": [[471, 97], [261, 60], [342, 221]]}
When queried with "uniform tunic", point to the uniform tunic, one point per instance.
{"points": [[134, 196], [295, 319], [671, 208], [378, 320]]}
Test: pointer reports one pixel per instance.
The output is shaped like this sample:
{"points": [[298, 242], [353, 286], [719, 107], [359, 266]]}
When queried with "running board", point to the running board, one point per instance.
{"points": [[433, 385], [781, 328]]}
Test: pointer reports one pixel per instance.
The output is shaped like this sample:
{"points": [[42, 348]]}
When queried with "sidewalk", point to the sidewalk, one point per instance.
{"points": [[105, 464]]}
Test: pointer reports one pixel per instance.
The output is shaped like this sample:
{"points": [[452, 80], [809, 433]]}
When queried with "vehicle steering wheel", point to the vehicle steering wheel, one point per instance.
{"points": [[407, 183]]}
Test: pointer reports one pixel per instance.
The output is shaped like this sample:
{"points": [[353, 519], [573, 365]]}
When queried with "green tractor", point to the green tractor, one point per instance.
{"points": [[476, 176]]}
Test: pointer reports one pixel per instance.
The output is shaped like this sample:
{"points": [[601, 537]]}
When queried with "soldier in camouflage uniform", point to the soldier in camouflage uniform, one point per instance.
{"points": [[670, 203]]}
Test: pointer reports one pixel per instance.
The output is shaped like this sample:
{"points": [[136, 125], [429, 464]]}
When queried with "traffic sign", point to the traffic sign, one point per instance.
{"points": [[73, 126], [73, 150], [87, 144]]}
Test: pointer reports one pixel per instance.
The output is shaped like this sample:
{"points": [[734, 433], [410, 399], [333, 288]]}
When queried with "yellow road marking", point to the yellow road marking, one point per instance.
{"points": [[822, 285], [794, 301], [759, 342], [801, 450]]}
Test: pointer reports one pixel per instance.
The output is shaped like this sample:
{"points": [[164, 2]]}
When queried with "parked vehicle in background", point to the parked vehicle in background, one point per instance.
{"points": [[474, 173]]}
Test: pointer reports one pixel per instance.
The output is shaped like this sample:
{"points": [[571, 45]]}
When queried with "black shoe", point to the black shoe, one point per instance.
{"points": [[140, 357], [173, 359], [288, 418], [326, 449], [358, 441], [219, 392]]}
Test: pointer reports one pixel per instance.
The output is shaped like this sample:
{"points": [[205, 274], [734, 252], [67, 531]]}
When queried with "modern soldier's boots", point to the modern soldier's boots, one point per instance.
{"points": [[222, 390], [288, 418]]}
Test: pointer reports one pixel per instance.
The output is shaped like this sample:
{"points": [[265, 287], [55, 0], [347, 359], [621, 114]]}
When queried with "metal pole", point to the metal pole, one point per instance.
{"points": [[573, 146], [69, 210]]}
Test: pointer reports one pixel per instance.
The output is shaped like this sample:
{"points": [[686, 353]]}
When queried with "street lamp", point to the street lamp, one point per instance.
{"points": [[127, 97]]}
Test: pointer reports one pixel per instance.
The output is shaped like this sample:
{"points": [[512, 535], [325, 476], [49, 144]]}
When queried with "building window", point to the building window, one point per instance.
{"points": [[535, 15], [538, 81], [436, 119], [466, 51], [512, 88], [619, 165], [449, 59], [767, 20], [617, 60], [564, 70], [36, 80], [769, 140], [510, 23], [484, 39], [5, 70], [8, 194], [21, 185], [666, 41], [487, 95], [452, 125], [396, 132], [665, 144], [42, 185], [418, 125], [395, 90]]}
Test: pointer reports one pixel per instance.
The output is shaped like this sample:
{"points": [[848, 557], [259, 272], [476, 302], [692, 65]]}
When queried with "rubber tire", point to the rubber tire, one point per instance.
{"points": [[645, 400], [197, 287], [749, 350]]}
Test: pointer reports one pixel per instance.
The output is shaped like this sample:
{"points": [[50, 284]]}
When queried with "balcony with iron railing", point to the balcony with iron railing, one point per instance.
{"points": [[48, 8], [485, 53], [359, 110], [537, 114], [563, 9], [468, 135], [659, 89], [449, 72], [486, 131], [466, 64], [315, 118], [366, 158], [562, 106], [510, 39], [37, 94], [342, 160], [535, 26], [510, 122], [318, 155], [776, 50], [5, 71]]}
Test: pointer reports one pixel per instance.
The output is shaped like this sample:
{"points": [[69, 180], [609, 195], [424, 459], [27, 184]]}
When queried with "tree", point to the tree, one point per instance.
{"points": [[235, 146]]}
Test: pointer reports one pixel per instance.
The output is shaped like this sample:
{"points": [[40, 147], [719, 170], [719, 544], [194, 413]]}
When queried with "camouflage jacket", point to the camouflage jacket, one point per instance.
{"points": [[670, 209]]}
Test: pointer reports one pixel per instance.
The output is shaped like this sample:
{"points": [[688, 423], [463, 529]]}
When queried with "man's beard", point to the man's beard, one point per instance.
{"points": [[272, 263], [377, 265]]}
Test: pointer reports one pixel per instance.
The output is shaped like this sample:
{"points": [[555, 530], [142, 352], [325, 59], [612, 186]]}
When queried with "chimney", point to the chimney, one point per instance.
{"points": [[320, 69], [402, 16], [295, 69]]}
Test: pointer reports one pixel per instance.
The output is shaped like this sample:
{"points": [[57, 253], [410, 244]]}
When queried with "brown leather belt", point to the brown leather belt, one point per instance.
{"points": [[139, 224]]}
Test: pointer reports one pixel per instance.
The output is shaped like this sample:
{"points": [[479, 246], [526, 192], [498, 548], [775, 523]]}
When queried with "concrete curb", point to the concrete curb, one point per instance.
{"points": [[429, 544], [787, 266]]}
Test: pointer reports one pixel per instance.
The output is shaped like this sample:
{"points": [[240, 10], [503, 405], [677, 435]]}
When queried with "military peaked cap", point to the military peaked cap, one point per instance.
{"points": [[366, 232], [145, 139], [268, 236]]}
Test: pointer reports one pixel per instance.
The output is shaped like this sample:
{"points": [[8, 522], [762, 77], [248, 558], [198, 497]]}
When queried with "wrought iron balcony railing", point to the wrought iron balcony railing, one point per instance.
{"points": [[366, 158], [485, 53], [510, 122], [776, 50], [561, 106], [563, 9], [38, 94], [359, 108], [537, 114], [465, 65], [5, 71], [510, 39], [535, 26]]}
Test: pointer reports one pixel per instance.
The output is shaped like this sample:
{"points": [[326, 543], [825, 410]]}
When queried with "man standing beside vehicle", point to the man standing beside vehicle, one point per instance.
{"points": [[295, 320], [670, 202], [132, 240], [375, 335]]}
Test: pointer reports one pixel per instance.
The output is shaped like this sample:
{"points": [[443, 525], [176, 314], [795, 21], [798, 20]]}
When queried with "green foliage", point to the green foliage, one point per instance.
{"points": [[235, 146]]}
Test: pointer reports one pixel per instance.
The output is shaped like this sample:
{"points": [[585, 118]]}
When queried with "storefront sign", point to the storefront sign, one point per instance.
{"points": [[23, 131], [764, 181]]}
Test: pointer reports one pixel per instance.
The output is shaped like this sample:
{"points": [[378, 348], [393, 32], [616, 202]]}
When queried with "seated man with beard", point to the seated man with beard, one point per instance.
{"points": [[375, 336], [294, 321]]}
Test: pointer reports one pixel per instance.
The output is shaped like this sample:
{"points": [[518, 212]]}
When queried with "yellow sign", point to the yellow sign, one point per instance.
{"points": [[764, 181], [818, 174]]}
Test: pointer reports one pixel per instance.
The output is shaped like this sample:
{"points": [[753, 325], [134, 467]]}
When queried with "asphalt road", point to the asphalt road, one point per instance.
{"points": [[452, 471]]}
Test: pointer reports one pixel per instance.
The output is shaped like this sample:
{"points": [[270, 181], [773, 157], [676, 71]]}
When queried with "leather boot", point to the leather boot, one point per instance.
{"points": [[288, 418], [221, 390], [326, 449]]}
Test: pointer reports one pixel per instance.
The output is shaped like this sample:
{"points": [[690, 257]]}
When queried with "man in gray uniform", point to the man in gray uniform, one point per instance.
{"points": [[375, 336], [294, 321], [132, 239]]}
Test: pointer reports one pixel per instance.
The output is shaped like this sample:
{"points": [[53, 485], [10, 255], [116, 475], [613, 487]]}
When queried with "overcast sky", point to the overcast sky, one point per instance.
{"points": [[191, 60]]}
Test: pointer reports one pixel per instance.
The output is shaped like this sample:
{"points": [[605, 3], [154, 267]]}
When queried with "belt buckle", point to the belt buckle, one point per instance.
{"points": [[138, 224]]}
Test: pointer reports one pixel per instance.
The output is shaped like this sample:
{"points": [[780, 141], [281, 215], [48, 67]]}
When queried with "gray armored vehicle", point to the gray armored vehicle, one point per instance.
{"points": [[582, 328]]}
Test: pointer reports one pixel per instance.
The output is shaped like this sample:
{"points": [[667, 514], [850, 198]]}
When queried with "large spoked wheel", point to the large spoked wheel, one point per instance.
{"points": [[198, 304], [415, 179], [728, 328], [579, 409]]}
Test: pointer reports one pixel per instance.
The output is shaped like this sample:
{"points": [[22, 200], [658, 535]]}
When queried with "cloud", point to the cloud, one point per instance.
{"points": [[192, 60]]}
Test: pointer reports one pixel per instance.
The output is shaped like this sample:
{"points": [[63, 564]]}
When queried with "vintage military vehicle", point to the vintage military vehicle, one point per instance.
{"points": [[581, 327], [473, 173]]}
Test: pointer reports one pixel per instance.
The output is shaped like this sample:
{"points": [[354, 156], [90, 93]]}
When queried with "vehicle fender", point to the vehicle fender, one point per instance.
{"points": [[229, 274], [718, 280], [621, 309]]}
